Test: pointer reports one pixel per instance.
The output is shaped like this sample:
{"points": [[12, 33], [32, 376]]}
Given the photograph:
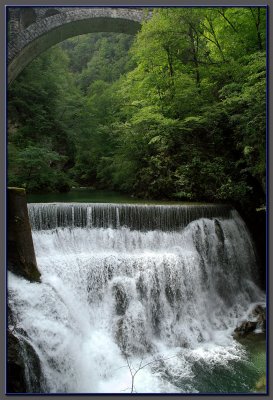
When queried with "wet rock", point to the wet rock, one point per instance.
{"points": [[121, 299], [130, 335], [219, 231], [141, 288], [16, 381], [260, 312], [169, 292], [119, 335], [155, 306], [247, 328], [109, 272], [23, 367]]}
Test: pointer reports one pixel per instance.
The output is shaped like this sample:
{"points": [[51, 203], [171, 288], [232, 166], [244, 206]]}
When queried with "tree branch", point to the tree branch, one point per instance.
{"points": [[222, 13]]}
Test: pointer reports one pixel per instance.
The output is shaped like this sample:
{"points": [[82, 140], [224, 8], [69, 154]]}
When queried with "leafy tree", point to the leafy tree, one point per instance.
{"points": [[35, 168], [38, 116], [179, 112]]}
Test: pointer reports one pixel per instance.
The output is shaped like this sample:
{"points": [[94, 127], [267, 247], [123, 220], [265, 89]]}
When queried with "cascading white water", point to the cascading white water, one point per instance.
{"points": [[114, 299]]}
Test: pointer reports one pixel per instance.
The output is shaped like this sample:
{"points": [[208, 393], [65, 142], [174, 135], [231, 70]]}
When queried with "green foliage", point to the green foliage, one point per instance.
{"points": [[42, 110], [209, 86], [35, 168], [102, 56], [245, 103], [180, 114]]}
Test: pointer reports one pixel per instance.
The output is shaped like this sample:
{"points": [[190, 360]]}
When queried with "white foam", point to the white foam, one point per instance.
{"points": [[179, 295]]}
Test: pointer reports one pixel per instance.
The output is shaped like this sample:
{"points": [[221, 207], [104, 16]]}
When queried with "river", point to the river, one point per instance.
{"points": [[85, 195]]}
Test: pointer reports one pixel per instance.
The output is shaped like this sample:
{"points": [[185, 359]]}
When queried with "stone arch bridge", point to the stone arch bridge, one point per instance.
{"points": [[33, 30]]}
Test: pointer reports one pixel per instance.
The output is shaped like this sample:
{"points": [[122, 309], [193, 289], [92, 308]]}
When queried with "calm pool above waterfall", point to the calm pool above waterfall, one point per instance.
{"points": [[139, 298], [85, 195]]}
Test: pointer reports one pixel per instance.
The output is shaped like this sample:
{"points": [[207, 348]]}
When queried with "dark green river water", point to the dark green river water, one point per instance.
{"points": [[93, 196]]}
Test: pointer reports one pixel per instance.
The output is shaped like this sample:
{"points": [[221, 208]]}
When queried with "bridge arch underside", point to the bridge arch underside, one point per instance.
{"points": [[63, 32]]}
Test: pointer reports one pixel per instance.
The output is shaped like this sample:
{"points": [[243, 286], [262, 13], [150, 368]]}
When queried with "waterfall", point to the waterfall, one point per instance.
{"points": [[157, 290], [134, 216]]}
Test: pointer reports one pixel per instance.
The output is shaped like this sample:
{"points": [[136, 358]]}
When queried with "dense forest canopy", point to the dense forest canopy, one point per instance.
{"points": [[177, 112]]}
